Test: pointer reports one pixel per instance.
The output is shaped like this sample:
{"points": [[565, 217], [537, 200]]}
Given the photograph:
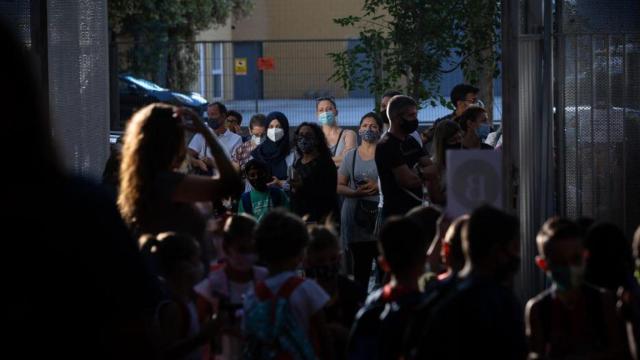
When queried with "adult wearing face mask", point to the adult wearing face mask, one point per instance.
{"points": [[275, 150], [475, 126], [358, 183], [314, 179], [258, 130], [339, 140], [198, 149], [400, 172], [553, 316]]}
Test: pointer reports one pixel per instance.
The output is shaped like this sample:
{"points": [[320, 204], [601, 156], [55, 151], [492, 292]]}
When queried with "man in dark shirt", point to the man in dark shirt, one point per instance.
{"points": [[463, 96], [396, 159]]}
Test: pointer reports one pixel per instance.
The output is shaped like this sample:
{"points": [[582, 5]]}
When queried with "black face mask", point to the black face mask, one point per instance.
{"points": [[323, 272], [508, 269], [409, 126], [260, 183]]}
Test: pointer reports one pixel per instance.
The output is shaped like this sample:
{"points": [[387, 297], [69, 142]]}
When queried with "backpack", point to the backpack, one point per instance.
{"points": [[274, 194], [379, 327], [271, 330]]}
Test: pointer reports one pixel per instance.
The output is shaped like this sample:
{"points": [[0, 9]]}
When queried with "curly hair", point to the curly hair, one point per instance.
{"points": [[154, 142], [321, 141]]}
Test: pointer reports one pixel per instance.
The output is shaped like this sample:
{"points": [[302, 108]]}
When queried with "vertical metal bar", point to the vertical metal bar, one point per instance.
{"points": [[624, 136], [594, 181], [547, 164], [40, 44], [559, 101], [609, 178], [577, 134]]}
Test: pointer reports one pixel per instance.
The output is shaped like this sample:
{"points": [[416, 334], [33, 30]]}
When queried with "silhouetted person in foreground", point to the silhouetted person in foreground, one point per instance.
{"points": [[77, 283]]}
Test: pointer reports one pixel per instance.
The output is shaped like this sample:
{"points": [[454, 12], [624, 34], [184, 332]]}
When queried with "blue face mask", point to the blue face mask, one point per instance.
{"points": [[369, 135], [327, 118], [483, 131]]}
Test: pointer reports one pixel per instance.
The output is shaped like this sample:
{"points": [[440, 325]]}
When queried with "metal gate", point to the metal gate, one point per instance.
{"points": [[598, 111]]}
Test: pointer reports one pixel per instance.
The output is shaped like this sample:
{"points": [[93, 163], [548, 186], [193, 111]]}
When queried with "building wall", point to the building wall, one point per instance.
{"points": [[302, 69]]}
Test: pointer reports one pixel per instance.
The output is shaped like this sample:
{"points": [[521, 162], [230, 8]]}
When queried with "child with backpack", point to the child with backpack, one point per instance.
{"points": [[379, 328], [224, 288], [572, 319], [322, 264], [283, 315], [177, 259], [262, 197]]}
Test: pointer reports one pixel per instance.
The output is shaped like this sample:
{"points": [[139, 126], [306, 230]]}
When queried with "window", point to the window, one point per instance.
{"points": [[216, 71]]}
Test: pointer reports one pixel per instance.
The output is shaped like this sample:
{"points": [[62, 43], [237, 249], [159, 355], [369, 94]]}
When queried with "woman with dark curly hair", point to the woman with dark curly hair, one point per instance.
{"points": [[314, 177]]}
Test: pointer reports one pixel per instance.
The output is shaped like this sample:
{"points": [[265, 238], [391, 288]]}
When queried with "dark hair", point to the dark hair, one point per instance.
{"points": [[167, 250], [258, 165], [454, 238], [399, 103], [258, 120], [610, 260], [401, 243], [221, 107], [427, 218], [375, 117], [321, 142], [488, 228], [636, 243], [240, 227], [236, 115], [460, 91], [322, 237], [469, 115], [554, 230], [445, 130], [280, 236], [390, 93], [326, 98]]}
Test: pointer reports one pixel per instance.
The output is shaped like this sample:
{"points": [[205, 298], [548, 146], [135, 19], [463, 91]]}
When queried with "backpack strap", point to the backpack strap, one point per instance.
{"points": [[247, 206], [276, 196], [262, 291], [289, 287]]}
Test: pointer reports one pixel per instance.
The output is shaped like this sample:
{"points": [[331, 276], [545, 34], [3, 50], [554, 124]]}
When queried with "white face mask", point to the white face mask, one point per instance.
{"points": [[275, 134], [257, 139]]}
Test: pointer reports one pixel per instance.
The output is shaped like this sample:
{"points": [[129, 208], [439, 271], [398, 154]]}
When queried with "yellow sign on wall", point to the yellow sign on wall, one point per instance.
{"points": [[241, 66]]}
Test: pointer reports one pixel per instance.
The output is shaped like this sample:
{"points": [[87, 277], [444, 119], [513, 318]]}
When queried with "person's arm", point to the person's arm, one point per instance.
{"points": [[407, 178], [534, 330], [175, 346], [434, 184], [369, 189], [202, 188], [350, 142]]}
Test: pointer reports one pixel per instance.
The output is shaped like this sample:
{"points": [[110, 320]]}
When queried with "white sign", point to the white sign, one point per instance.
{"points": [[474, 178]]}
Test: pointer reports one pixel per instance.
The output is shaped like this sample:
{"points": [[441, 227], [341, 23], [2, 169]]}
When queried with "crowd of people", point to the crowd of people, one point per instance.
{"points": [[300, 243]]}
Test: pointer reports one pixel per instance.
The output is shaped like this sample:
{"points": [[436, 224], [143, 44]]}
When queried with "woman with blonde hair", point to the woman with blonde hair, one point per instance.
{"points": [[448, 136], [154, 197]]}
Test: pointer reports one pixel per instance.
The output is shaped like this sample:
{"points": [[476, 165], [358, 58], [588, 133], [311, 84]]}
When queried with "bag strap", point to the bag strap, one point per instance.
{"points": [[262, 291], [353, 168], [276, 197], [247, 206], [333, 153]]}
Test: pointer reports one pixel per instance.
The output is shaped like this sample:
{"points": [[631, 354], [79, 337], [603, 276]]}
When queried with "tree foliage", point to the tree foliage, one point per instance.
{"points": [[410, 44], [162, 32]]}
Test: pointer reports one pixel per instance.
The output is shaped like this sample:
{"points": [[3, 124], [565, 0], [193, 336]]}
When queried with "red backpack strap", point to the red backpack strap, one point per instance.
{"points": [[262, 291], [289, 286]]}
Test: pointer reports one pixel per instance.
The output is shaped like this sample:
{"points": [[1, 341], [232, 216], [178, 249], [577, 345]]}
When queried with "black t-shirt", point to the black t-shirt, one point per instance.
{"points": [[390, 154], [316, 196]]}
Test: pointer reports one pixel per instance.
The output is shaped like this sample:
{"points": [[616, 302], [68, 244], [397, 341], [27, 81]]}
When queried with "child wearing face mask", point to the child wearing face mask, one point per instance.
{"points": [[261, 198], [572, 319], [222, 292], [322, 264], [177, 260]]}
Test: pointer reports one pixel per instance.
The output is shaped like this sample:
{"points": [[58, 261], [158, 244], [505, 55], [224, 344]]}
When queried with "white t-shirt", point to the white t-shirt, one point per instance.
{"points": [[228, 140], [307, 299]]}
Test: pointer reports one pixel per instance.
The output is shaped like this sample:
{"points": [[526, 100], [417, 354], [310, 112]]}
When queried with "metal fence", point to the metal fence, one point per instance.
{"points": [[598, 129], [294, 74], [69, 40]]}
